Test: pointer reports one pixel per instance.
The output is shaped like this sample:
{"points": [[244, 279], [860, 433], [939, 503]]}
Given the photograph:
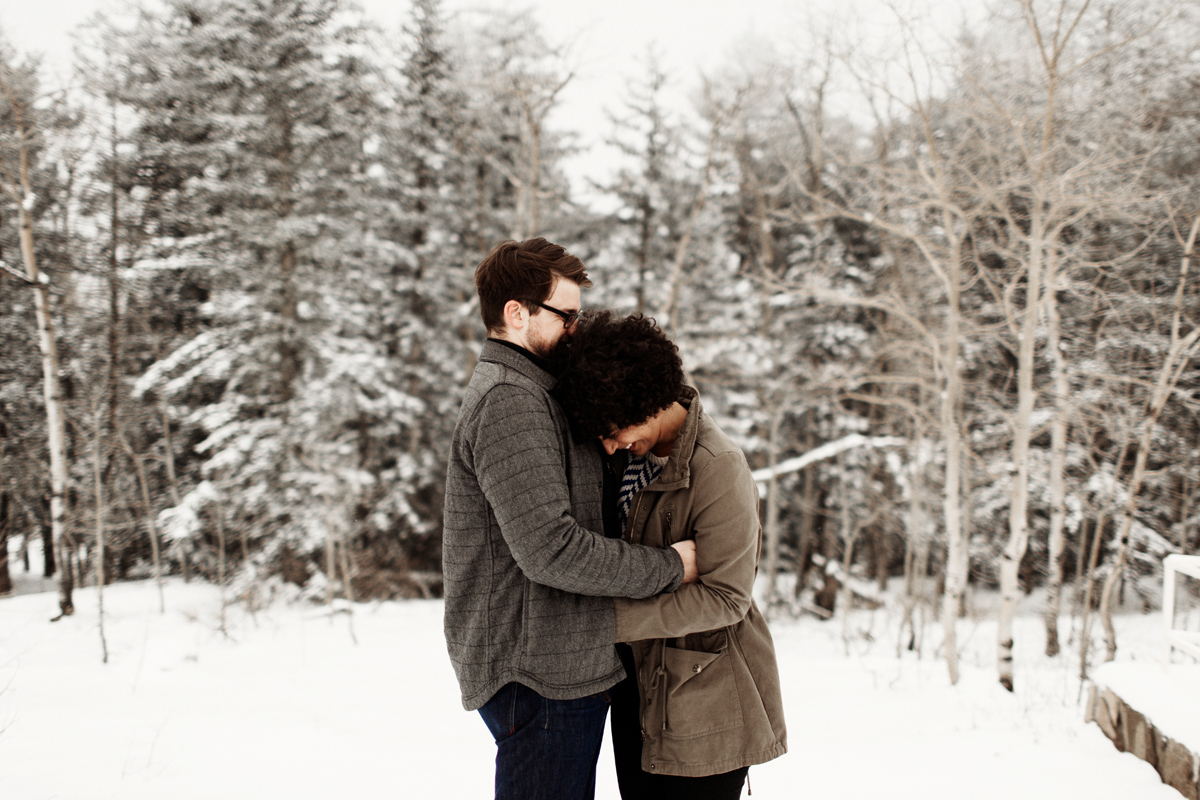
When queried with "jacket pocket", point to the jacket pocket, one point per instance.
{"points": [[524, 657], [702, 696]]}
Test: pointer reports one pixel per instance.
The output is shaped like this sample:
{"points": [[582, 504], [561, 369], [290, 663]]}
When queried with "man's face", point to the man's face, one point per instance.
{"points": [[545, 328]]}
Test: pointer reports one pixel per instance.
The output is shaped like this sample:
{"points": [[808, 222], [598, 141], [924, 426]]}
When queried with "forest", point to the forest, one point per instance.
{"points": [[237, 310]]}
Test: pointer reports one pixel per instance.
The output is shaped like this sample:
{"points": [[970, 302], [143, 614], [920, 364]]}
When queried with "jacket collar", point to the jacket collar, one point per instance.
{"points": [[509, 357], [677, 474]]}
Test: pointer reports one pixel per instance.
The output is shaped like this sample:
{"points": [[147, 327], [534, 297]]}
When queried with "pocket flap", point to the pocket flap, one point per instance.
{"points": [[702, 697], [683, 665]]}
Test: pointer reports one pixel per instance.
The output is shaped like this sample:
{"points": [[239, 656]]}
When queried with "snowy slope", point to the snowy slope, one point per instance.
{"points": [[289, 707]]}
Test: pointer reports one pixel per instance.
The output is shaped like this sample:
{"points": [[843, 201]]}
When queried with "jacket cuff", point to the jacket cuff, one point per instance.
{"points": [[677, 573], [621, 609]]}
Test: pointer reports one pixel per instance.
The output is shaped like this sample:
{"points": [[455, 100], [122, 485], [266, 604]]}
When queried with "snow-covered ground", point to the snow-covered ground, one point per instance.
{"points": [[1169, 696], [289, 706]]}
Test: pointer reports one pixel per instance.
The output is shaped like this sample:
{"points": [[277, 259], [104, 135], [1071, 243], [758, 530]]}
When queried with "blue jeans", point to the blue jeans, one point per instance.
{"points": [[545, 749]]}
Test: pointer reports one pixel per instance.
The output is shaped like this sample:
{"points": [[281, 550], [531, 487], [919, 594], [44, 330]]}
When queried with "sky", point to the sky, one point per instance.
{"points": [[607, 38], [607, 43]]}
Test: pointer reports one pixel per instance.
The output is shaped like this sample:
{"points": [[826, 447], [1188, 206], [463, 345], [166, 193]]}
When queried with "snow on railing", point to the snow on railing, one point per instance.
{"points": [[1187, 641]]}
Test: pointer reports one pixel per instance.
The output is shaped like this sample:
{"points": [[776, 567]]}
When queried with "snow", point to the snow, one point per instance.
{"points": [[1166, 695], [827, 450], [288, 706], [182, 522]]}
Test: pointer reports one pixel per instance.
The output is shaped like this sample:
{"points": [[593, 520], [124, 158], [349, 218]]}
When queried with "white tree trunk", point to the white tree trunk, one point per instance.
{"points": [[1058, 462], [772, 532], [348, 577], [916, 546], [219, 514], [1018, 516], [97, 454], [20, 189], [55, 426], [849, 535], [956, 539], [1085, 636]]}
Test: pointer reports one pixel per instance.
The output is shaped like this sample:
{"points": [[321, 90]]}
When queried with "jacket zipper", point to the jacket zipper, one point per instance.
{"points": [[633, 517]]}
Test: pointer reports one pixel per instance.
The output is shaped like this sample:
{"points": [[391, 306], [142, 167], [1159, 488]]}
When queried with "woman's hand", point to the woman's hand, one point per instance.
{"points": [[687, 551]]}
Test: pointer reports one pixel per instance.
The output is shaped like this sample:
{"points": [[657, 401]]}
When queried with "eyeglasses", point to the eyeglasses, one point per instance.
{"points": [[568, 319]]}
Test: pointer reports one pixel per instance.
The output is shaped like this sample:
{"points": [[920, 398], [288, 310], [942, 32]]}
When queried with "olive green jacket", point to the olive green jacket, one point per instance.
{"points": [[706, 668]]}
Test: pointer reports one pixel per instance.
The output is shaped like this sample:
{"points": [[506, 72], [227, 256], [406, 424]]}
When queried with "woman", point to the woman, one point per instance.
{"points": [[701, 702]]}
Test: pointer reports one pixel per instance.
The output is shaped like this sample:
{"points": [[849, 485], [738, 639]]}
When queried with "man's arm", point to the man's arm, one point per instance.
{"points": [[725, 527], [516, 456]]}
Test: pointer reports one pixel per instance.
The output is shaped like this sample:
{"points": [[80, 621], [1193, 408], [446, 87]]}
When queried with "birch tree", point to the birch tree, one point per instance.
{"points": [[20, 145], [6, 516], [898, 191], [1182, 348], [1043, 186], [1043, 213]]}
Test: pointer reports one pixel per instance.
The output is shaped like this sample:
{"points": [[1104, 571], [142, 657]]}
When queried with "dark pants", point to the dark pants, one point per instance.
{"points": [[637, 784], [545, 749]]}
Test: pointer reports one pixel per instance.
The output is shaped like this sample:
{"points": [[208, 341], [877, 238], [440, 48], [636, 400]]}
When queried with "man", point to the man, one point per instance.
{"points": [[529, 618]]}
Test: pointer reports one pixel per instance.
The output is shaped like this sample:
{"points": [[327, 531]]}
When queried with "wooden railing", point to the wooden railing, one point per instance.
{"points": [[1187, 641]]}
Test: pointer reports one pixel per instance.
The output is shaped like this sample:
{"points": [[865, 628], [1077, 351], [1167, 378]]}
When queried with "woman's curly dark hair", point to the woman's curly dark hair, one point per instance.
{"points": [[615, 372]]}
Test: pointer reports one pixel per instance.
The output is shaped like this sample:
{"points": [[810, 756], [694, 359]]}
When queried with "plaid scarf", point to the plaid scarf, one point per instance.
{"points": [[639, 473]]}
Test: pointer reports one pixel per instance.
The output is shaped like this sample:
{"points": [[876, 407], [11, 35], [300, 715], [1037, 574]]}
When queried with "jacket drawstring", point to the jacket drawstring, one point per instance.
{"points": [[662, 673]]}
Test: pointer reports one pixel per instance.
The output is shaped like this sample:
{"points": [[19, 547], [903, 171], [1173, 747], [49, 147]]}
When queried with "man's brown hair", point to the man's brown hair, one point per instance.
{"points": [[525, 272]]}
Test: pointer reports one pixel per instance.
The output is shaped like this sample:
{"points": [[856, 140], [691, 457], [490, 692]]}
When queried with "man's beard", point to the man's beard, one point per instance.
{"points": [[557, 356], [540, 347]]}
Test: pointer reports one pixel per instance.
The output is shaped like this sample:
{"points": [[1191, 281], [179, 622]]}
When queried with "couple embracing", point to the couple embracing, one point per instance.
{"points": [[601, 543]]}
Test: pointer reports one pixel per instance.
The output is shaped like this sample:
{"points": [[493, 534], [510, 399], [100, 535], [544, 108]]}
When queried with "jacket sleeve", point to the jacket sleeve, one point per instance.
{"points": [[518, 459], [726, 528]]}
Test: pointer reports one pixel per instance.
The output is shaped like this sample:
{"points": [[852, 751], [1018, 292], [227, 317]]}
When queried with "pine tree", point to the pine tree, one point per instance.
{"points": [[654, 189], [252, 123]]}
